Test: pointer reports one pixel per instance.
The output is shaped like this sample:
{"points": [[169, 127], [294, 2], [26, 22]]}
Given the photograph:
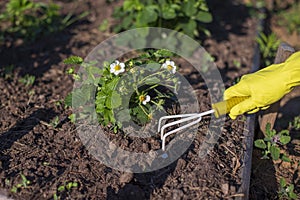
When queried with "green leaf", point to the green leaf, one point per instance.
{"points": [[14, 189], [73, 60], [275, 152], [260, 144], [168, 12], [72, 118], [55, 196], [163, 53], [61, 188], [292, 195], [282, 182], [68, 100], [189, 8], [116, 100], [147, 16], [152, 81], [204, 17], [104, 25], [285, 158], [69, 185], [285, 139], [189, 27]]}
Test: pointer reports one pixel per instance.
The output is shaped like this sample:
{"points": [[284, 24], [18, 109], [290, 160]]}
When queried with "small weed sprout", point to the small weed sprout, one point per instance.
{"points": [[54, 123], [295, 124], [286, 191], [25, 182], [27, 80], [272, 142], [65, 187]]}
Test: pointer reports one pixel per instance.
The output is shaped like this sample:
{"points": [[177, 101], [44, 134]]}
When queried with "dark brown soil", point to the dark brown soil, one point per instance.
{"points": [[51, 155]]}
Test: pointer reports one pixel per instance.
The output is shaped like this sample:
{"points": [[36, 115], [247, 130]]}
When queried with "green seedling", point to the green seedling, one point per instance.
{"points": [[272, 142], [7, 72], [286, 191], [21, 185], [54, 123], [187, 16], [104, 26], [27, 80], [237, 63], [295, 124], [141, 87], [72, 118], [268, 45], [65, 187]]}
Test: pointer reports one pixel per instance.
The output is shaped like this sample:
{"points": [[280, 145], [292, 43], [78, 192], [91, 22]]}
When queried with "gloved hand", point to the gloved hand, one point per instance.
{"points": [[265, 86]]}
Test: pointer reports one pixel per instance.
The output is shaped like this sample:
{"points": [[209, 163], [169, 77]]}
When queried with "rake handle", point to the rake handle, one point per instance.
{"points": [[224, 107]]}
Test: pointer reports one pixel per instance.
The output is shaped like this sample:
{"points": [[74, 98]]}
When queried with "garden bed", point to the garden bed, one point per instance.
{"points": [[39, 142]]}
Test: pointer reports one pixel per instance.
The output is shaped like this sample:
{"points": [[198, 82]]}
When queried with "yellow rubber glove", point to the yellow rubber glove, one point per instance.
{"points": [[265, 86]]}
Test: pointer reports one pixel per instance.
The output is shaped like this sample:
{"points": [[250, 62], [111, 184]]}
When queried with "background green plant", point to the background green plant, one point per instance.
{"points": [[187, 16], [272, 142], [290, 18], [268, 45], [28, 19]]}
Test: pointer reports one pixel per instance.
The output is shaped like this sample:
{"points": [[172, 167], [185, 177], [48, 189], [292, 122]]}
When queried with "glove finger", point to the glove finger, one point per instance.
{"points": [[237, 90], [253, 111], [265, 107], [243, 107]]}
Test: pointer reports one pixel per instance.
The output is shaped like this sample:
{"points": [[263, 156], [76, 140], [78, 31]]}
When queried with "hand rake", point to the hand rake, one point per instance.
{"points": [[220, 108]]}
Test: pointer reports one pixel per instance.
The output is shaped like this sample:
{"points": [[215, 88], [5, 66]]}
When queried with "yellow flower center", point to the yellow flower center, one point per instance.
{"points": [[142, 98], [169, 67], [117, 67]]}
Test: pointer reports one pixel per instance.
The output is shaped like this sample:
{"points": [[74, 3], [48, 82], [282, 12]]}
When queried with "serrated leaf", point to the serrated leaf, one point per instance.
{"points": [[73, 60], [260, 144], [285, 139], [275, 152]]}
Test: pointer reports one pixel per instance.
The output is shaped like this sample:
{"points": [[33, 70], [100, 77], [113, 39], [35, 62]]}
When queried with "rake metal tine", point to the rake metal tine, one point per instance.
{"points": [[173, 116], [177, 122], [178, 129]]}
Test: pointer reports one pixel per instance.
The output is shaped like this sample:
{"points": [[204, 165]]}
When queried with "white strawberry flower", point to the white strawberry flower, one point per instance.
{"points": [[117, 67], [170, 66], [144, 99]]}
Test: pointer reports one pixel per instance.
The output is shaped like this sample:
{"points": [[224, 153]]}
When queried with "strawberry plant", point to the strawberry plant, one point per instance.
{"points": [[272, 142], [187, 16], [126, 90]]}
